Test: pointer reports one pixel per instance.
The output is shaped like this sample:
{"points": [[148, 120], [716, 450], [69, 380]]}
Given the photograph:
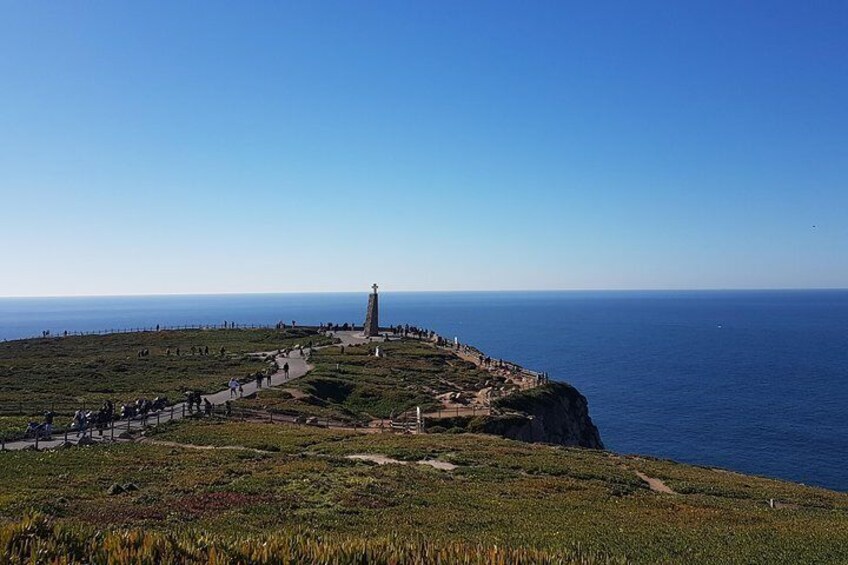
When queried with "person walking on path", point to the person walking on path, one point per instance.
{"points": [[234, 386], [207, 406], [79, 422], [286, 370], [48, 424]]}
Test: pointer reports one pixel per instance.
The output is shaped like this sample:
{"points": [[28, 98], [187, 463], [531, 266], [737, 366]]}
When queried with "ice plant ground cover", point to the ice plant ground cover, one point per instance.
{"points": [[292, 485]]}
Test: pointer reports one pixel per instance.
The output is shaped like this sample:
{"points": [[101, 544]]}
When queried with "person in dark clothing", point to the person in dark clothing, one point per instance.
{"points": [[48, 424], [207, 406]]}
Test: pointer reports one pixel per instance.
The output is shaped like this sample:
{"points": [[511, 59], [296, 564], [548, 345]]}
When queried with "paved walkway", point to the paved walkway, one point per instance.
{"points": [[298, 367]]}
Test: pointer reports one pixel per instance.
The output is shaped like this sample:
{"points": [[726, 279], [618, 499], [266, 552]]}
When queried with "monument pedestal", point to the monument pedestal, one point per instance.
{"points": [[372, 321]]}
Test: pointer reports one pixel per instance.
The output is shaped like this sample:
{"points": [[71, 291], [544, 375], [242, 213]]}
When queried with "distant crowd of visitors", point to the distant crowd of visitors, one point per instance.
{"points": [[87, 421]]}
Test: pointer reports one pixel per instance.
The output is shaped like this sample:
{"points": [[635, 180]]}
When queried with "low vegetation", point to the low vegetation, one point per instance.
{"points": [[354, 385], [210, 490], [267, 478], [39, 539], [64, 374]]}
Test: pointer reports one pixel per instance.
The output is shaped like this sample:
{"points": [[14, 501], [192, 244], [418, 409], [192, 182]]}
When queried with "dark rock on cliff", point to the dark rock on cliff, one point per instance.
{"points": [[551, 413]]}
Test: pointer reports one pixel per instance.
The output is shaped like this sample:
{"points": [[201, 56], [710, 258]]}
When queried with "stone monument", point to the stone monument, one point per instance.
{"points": [[372, 322]]}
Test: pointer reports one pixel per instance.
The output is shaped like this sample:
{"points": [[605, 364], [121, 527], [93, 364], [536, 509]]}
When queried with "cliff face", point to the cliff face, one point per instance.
{"points": [[551, 413]]}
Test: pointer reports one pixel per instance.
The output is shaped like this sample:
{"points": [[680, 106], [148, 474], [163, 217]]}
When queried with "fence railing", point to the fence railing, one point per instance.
{"points": [[115, 428], [20, 408], [184, 327]]}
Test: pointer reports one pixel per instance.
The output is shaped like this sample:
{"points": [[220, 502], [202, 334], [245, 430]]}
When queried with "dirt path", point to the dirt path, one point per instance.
{"points": [[385, 460], [148, 440], [655, 485]]}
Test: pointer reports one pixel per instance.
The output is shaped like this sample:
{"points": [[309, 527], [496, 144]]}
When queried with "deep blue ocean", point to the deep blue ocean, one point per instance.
{"points": [[754, 381]]}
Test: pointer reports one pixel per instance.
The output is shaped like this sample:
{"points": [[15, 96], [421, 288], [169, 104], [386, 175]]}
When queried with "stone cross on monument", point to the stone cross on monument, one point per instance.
{"points": [[372, 322]]}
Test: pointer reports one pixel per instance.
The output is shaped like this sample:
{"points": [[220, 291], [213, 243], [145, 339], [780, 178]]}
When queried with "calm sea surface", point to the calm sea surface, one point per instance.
{"points": [[754, 381]]}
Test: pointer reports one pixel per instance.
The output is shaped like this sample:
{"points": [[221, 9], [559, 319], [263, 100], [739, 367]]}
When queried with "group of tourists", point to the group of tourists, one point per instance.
{"points": [[141, 407], [260, 378], [84, 421], [332, 327], [194, 399], [41, 430], [99, 420], [237, 389], [195, 350], [412, 331]]}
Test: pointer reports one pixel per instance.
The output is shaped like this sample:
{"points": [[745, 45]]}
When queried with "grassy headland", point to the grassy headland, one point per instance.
{"points": [[67, 373], [210, 490], [356, 385]]}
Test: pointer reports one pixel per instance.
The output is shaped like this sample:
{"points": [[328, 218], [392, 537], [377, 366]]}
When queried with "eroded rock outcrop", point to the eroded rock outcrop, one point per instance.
{"points": [[551, 413]]}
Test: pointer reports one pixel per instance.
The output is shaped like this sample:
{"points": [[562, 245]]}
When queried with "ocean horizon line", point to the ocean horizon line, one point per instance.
{"points": [[437, 291]]}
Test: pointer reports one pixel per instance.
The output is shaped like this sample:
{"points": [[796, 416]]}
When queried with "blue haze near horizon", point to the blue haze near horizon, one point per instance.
{"points": [[754, 381], [182, 147]]}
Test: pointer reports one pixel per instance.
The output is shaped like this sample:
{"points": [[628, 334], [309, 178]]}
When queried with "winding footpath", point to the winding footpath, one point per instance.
{"points": [[298, 367]]}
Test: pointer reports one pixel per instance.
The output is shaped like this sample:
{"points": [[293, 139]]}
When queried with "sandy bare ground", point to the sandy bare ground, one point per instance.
{"points": [[201, 447], [385, 460], [655, 485]]}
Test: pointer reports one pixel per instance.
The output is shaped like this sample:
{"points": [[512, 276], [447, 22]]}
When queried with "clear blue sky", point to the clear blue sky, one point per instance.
{"points": [[159, 147]]}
